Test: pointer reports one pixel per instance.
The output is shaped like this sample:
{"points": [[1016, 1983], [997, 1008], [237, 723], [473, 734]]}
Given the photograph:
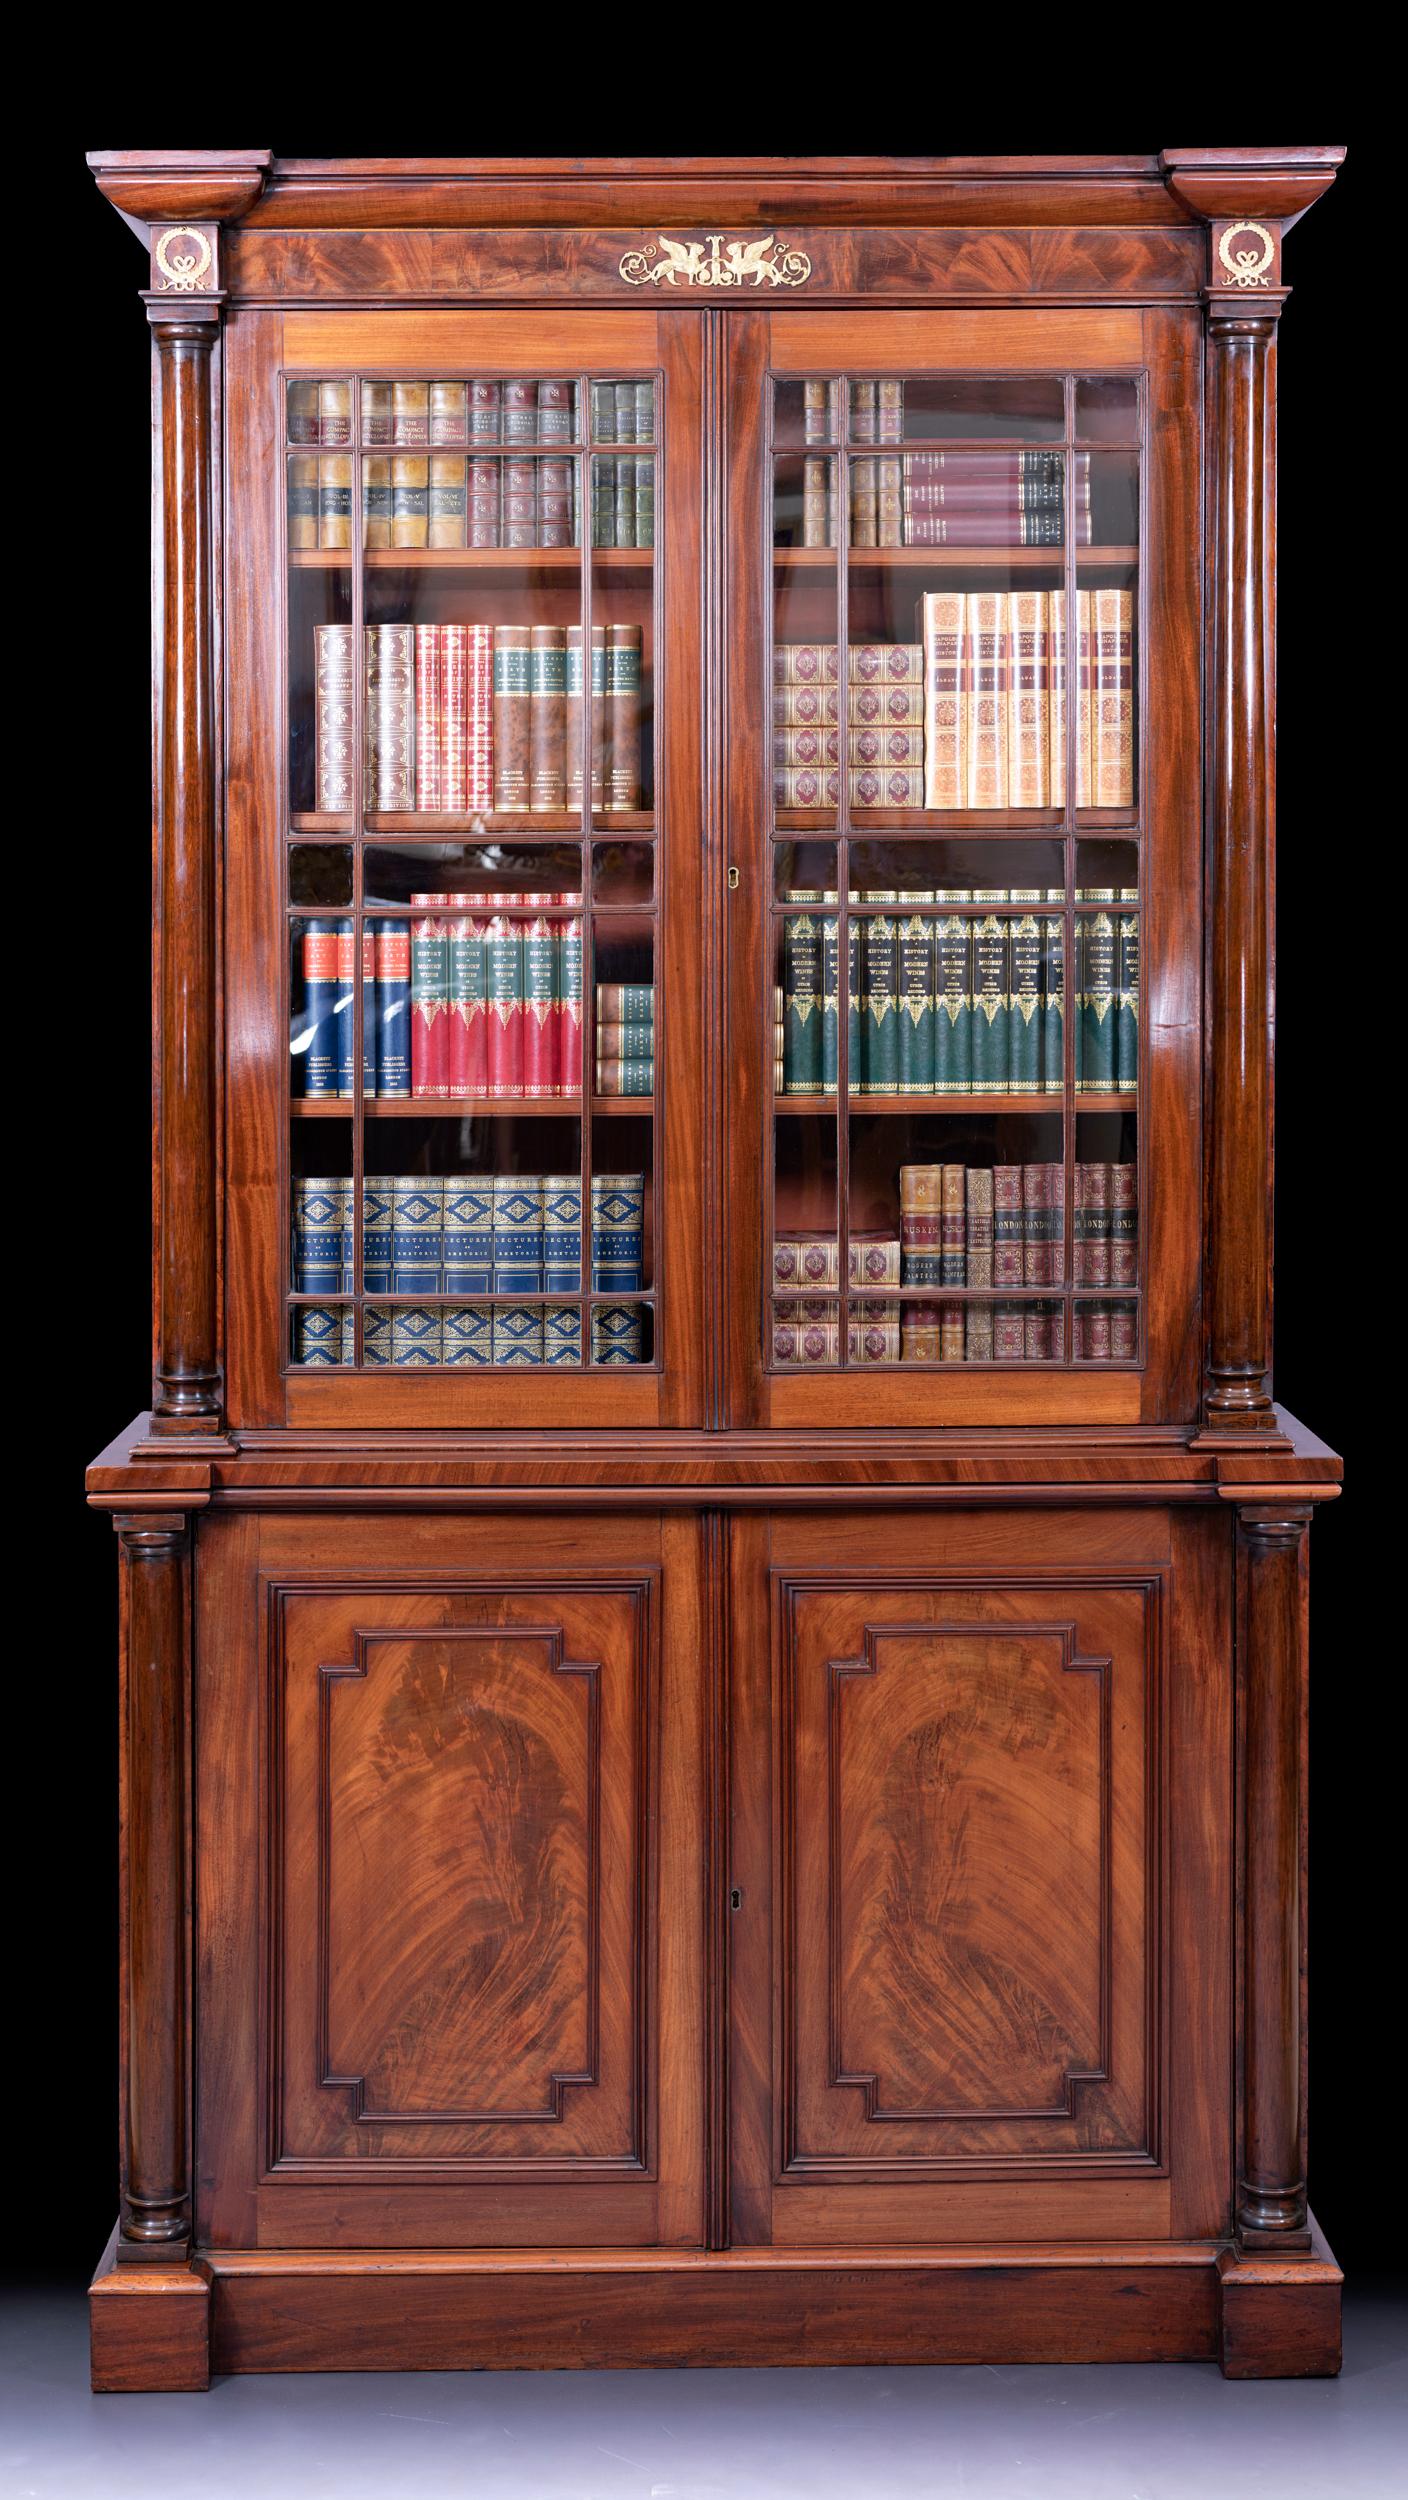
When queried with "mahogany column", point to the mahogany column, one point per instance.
{"points": [[1241, 821], [187, 1388], [1271, 1683], [155, 2213]]}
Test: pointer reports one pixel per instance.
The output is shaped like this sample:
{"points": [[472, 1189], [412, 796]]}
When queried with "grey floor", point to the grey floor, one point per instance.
{"points": [[1012, 2434]]}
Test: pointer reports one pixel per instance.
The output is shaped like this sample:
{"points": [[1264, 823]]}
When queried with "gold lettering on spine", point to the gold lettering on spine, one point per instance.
{"points": [[716, 263]]}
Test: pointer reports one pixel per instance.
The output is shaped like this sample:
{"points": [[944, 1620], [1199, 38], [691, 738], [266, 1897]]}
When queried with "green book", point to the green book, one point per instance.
{"points": [[1053, 1006], [881, 1042], [855, 1019], [1098, 1020], [916, 982], [991, 991], [604, 501], [953, 999], [830, 998], [1024, 1017], [802, 994], [1127, 1008]]}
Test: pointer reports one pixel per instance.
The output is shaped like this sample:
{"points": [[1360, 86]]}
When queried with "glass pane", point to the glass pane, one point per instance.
{"points": [[957, 408], [1107, 411]]}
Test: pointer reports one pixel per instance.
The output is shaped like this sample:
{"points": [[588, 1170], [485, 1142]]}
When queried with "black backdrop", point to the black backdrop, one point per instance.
{"points": [[79, 838]]}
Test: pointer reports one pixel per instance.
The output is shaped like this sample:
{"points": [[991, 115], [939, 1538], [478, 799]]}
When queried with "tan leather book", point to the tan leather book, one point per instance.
{"points": [[985, 672], [303, 499], [1028, 700], [446, 502], [410, 502], [1112, 699], [941, 630], [376, 500], [335, 499]]}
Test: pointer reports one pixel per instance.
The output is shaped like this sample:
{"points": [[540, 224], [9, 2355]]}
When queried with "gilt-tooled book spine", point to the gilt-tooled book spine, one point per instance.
{"points": [[1112, 699], [568, 994], [303, 499], [410, 412], [335, 412], [303, 413], [645, 503], [855, 1009], [430, 1033], [1098, 1018], [378, 1191], [469, 982], [624, 515], [880, 1047], [377, 500], [453, 659], [1124, 1224], [467, 1337], [376, 412], [991, 1019], [953, 999], [977, 1334], [1127, 1008], [921, 1332], [917, 1014], [921, 1220], [449, 413], [624, 395], [1056, 709], [873, 1332], [479, 717], [459, 974], [802, 986], [604, 499], [518, 1233], [314, 1041], [320, 1251], [1124, 1332], [1008, 1251], [540, 1075], [618, 1232], [321, 1333], [573, 714], [335, 499], [447, 501], [1029, 701], [555, 503], [484, 411], [986, 671], [520, 412], [942, 631], [953, 1225], [410, 500], [1024, 1013], [555, 412], [370, 1023], [333, 649], [815, 417], [415, 1335], [562, 1232], [513, 694], [865, 503], [520, 514], [429, 696], [547, 718], [1079, 673], [484, 508], [1090, 1250], [618, 1333], [816, 498], [504, 981], [810, 707], [883, 749], [345, 1011], [468, 1236], [623, 698], [417, 1225], [376, 1334], [562, 1335], [1053, 1004]]}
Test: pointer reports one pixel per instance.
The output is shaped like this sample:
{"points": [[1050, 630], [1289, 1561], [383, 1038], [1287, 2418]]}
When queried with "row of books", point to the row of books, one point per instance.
{"points": [[414, 1335], [436, 499], [512, 411], [988, 725], [462, 718], [960, 1002], [473, 1233], [948, 499], [806, 1332]]}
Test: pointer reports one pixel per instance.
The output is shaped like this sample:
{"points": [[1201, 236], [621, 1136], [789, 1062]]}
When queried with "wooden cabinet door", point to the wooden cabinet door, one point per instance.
{"points": [[449, 1973], [981, 1787]]}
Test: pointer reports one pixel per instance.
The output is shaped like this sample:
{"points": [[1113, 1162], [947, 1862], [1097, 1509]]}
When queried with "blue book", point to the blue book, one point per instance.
{"points": [[467, 1336], [562, 1233], [377, 1190], [518, 1235], [415, 1333], [319, 1333], [518, 1332], [469, 1238], [321, 1251], [562, 1333], [376, 1335], [313, 1043], [393, 1010], [417, 1211], [618, 1333], [618, 1232], [344, 1011]]}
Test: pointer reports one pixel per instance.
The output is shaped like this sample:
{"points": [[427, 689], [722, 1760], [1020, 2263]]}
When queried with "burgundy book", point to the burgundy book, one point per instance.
{"points": [[454, 699], [1124, 1224], [428, 779], [1092, 1222]]}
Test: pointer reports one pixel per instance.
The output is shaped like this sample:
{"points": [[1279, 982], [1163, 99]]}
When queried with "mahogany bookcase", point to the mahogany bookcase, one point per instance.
{"points": [[772, 1830]]}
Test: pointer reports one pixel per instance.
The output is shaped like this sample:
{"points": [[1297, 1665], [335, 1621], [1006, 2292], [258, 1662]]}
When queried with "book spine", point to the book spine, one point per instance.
{"points": [[447, 501], [618, 1232], [484, 411], [921, 1332], [504, 977], [369, 1014], [954, 1019], [376, 412], [458, 954], [449, 413], [889, 502], [555, 419], [816, 497], [479, 718], [518, 1233], [855, 1009], [453, 662], [802, 985], [986, 761], [428, 701], [344, 1010], [1024, 1013], [429, 1018], [555, 502], [467, 1337], [623, 707], [1081, 677], [314, 1040], [1029, 700], [917, 1013], [1124, 1224], [880, 1045], [618, 1333], [562, 1334], [518, 1333], [1112, 699], [520, 412], [1090, 1250], [303, 501], [540, 1075], [321, 1237], [520, 504], [865, 503], [604, 499], [1056, 715], [1127, 1010], [830, 1002], [953, 1225], [1008, 1257], [484, 511], [921, 1223], [475, 973], [1098, 1014], [469, 1236], [568, 997], [872, 1259], [391, 726], [417, 1223], [410, 501], [513, 693], [1053, 1004], [333, 650], [377, 1195], [562, 1232], [304, 423], [977, 1332], [991, 1014], [410, 412], [815, 425], [393, 1010], [885, 749], [624, 1076], [335, 500], [547, 718]]}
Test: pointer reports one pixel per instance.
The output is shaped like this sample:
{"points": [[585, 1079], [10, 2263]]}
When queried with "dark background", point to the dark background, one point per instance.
{"points": [[80, 827]]}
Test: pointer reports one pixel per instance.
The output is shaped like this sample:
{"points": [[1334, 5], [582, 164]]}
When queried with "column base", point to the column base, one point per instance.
{"points": [[149, 2328], [1280, 2315]]}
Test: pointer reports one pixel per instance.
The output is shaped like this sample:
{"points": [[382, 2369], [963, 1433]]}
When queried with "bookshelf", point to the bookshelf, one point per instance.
{"points": [[713, 1490]]}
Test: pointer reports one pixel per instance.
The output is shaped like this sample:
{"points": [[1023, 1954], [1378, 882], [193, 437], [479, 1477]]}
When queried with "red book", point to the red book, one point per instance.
{"points": [[454, 694], [479, 717], [430, 1022], [428, 703], [503, 953], [540, 1021]]}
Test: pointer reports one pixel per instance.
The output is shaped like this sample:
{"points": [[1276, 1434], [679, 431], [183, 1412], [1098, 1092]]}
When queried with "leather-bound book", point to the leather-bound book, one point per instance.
{"points": [[1093, 1339], [539, 1000], [377, 1196], [831, 995], [815, 419], [562, 1334], [303, 500], [645, 503], [321, 1235], [467, 1336], [469, 1235], [313, 1042], [881, 961], [986, 668], [953, 1225], [1124, 1224], [921, 1222], [415, 1335], [449, 414], [889, 502], [1079, 670], [814, 503], [484, 502], [921, 1332], [479, 718], [863, 417], [429, 706], [335, 500], [518, 1233], [554, 508], [573, 710], [520, 514], [618, 1333], [555, 412], [447, 502], [469, 1007], [376, 412], [604, 499], [1090, 1250], [1024, 1014], [417, 1233], [377, 500], [410, 412], [1112, 699], [916, 1003], [303, 413], [950, 1332], [567, 992], [504, 966], [334, 412], [1124, 1332], [1127, 1000], [513, 695], [889, 410], [953, 1004], [410, 500], [991, 1009], [1056, 707], [454, 720], [624, 520], [1028, 700], [618, 1232], [885, 750], [603, 407], [393, 1010], [623, 716], [801, 957], [1008, 1237], [391, 718], [977, 1333], [865, 504], [430, 1026], [518, 1332], [562, 1232], [333, 651], [1098, 1020], [1053, 1004], [547, 718], [881, 705], [813, 707], [873, 1332], [485, 407], [520, 412]]}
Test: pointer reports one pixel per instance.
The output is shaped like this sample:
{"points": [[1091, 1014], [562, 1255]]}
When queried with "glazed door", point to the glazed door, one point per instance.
{"points": [[981, 1782], [963, 603], [448, 1968]]}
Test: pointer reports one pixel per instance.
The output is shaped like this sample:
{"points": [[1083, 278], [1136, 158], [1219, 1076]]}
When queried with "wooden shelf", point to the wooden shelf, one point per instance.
{"points": [[478, 1107], [815, 1106], [994, 824], [946, 559], [471, 559], [309, 823]]}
